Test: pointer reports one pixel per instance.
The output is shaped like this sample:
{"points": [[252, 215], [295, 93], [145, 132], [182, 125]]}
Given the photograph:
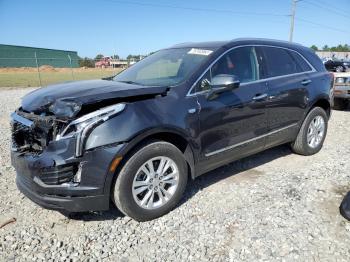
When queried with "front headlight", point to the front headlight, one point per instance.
{"points": [[340, 80], [81, 127]]}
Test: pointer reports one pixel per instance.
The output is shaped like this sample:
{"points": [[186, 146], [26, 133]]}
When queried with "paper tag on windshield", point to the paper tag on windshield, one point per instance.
{"points": [[196, 51]]}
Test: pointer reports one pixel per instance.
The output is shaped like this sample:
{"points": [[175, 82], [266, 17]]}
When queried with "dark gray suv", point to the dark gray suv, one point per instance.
{"points": [[137, 137]]}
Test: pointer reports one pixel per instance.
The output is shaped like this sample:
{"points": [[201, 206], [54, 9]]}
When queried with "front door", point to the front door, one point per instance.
{"points": [[233, 124]]}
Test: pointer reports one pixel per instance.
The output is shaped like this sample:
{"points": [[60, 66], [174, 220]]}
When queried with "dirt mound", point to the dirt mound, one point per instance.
{"points": [[47, 68]]}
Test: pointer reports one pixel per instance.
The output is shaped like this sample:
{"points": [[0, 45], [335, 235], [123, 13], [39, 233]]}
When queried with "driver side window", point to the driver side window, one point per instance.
{"points": [[241, 62]]}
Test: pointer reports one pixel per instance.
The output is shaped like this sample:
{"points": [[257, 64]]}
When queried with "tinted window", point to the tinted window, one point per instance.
{"points": [[300, 61], [280, 62], [241, 62]]}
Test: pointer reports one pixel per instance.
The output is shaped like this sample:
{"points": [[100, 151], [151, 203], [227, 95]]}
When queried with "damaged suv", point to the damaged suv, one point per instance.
{"points": [[134, 139]]}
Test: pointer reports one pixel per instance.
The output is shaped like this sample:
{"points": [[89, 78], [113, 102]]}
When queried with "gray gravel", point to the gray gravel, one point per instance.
{"points": [[271, 206]]}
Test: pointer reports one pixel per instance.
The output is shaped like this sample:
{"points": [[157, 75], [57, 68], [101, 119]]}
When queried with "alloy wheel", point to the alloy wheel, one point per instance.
{"points": [[316, 131], [155, 182]]}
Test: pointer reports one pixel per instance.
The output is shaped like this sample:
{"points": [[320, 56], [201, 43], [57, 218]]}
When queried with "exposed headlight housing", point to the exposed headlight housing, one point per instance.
{"points": [[81, 127], [65, 108]]}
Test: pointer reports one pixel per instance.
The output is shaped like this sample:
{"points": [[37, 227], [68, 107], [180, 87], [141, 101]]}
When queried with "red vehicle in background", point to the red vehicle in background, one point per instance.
{"points": [[103, 62]]}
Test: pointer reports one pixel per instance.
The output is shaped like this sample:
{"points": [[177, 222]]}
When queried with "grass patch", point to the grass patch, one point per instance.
{"points": [[29, 77]]}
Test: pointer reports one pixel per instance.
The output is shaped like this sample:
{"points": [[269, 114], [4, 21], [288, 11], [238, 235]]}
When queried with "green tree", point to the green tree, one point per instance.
{"points": [[137, 57], [325, 48], [99, 56], [314, 47], [115, 56], [86, 62]]}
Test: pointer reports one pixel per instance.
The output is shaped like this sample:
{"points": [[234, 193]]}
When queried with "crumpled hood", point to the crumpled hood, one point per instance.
{"points": [[85, 92]]}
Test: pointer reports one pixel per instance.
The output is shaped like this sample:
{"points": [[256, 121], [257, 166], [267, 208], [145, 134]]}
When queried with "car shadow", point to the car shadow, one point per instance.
{"points": [[200, 183], [233, 169]]}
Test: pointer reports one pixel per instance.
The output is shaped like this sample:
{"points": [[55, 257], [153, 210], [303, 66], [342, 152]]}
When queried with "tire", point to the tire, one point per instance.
{"points": [[301, 144], [339, 69], [124, 191], [340, 104]]}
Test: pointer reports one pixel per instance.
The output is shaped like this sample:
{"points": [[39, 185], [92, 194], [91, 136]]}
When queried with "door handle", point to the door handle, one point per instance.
{"points": [[259, 96], [306, 82]]}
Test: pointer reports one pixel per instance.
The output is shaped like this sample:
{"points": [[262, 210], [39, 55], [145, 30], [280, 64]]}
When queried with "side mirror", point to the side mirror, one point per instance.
{"points": [[222, 83]]}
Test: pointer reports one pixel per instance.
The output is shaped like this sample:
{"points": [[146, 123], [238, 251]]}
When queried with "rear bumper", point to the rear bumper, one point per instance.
{"points": [[49, 179]]}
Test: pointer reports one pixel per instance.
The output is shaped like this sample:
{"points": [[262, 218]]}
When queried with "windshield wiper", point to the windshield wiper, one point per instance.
{"points": [[129, 82]]}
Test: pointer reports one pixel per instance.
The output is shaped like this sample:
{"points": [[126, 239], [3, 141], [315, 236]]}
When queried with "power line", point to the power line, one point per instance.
{"points": [[196, 8], [326, 8], [330, 7], [322, 25]]}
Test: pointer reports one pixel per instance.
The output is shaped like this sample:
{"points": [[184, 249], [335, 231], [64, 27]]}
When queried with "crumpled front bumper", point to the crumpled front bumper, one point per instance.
{"points": [[47, 178]]}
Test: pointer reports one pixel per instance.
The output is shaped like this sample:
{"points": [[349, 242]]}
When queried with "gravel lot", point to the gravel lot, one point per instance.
{"points": [[271, 206]]}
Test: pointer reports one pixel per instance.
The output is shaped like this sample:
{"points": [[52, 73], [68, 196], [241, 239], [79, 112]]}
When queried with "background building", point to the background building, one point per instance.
{"points": [[333, 55], [23, 56]]}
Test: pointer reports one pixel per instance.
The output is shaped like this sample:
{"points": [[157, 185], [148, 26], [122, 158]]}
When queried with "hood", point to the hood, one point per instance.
{"points": [[86, 92]]}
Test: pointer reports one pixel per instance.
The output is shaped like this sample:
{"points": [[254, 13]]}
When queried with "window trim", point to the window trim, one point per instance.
{"points": [[256, 81]]}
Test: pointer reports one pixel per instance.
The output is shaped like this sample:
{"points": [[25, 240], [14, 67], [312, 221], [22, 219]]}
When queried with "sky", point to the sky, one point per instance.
{"points": [[126, 27]]}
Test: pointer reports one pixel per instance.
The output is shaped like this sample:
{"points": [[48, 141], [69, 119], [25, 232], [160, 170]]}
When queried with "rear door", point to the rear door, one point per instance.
{"points": [[287, 77]]}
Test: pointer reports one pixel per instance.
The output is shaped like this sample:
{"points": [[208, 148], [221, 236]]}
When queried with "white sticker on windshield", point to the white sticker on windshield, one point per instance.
{"points": [[196, 51]]}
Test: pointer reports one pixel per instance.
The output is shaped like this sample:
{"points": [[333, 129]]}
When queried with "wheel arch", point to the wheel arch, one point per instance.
{"points": [[323, 103], [171, 135]]}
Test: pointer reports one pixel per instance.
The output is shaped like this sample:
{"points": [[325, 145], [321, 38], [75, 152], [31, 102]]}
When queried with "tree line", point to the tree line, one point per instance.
{"points": [[339, 48]]}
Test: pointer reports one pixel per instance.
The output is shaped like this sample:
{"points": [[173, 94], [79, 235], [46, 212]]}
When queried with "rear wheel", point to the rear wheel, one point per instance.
{"points": [[340, 104], [312, 133], [151, 182]]}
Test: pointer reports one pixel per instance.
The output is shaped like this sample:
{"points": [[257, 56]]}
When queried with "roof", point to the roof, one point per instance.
{"points": [[213, 44], [4, 45], [217, 44]]}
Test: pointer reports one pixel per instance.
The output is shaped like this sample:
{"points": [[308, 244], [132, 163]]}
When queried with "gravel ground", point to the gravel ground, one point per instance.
{"points": [[272, 206]]}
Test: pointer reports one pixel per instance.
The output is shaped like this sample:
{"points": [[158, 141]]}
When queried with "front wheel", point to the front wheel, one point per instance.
{"points": [[151, 182], [312, 133]]}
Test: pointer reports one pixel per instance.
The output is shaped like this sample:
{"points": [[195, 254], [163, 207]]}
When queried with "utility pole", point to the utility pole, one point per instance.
{"points": [[292, 16]]}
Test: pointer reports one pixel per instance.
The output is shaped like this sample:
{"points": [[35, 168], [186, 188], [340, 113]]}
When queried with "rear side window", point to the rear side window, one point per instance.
{"points": [[280, 62], [305, 67]]}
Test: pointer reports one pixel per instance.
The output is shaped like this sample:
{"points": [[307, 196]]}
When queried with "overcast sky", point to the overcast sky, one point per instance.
{"points": [[136, 26]]}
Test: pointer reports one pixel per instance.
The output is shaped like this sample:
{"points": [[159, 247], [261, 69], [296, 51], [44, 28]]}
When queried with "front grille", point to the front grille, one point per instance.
{"points": [[58, 175]]}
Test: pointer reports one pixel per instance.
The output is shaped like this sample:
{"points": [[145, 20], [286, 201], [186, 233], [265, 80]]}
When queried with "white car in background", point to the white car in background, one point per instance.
{"points": [[341, 90]]}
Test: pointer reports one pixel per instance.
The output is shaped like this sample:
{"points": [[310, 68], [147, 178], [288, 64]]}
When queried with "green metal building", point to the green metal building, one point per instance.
{"points": [[23, 56]]}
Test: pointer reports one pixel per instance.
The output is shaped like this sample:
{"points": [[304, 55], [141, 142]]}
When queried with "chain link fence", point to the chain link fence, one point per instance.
{"points": [[38, 72]]}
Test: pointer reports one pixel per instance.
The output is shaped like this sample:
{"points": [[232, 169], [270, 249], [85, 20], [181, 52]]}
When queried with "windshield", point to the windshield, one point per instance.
{"points": [[165, 68]]}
